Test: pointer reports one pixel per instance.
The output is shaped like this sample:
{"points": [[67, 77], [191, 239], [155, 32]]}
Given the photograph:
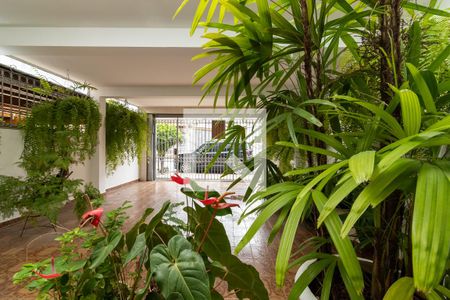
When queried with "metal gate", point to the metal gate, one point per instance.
{"points": [[187, 145]]}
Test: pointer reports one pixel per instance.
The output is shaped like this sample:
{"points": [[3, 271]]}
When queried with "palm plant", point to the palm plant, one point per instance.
{"points": [[378, 151]]}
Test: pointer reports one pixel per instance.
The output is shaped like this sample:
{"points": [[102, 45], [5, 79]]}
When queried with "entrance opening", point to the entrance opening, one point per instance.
{"points": [[187, 145]]}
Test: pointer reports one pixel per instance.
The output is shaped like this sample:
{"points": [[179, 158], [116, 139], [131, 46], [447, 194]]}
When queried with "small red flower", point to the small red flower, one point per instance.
{"points": [[223, 205], [216, 202], [180, 180], [49, 276], [208, 201], [94, 216]]}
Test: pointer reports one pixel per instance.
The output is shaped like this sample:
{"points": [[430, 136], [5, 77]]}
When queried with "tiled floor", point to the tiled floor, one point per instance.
{"points": [[38, 242]]}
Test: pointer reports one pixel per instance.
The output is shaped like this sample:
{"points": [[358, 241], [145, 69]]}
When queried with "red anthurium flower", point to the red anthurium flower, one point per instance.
{"points": [[208, 201], [223, 205], [180, 180], [94, 216], [49, 276], [216, 202]]}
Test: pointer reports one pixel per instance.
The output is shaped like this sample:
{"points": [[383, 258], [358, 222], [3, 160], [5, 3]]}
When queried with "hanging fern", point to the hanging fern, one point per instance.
{"points": [[126, 134], [57, 134], [60, 133]]}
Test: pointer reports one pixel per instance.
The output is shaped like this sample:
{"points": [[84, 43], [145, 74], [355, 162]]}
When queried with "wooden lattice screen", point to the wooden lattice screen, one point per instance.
{"points": [[17, 96]]}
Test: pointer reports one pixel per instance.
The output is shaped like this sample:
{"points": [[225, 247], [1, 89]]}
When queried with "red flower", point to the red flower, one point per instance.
{"points": [[208, 201], [94, 216], [216, 202], [223, 205], [49, 276], [180, 180]]}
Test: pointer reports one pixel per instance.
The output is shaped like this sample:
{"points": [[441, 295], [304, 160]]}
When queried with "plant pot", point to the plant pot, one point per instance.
{"points": [[307, 293]]}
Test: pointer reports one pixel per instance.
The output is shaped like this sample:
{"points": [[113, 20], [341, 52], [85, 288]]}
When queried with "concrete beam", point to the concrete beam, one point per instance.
{"points": [[98, 37]]}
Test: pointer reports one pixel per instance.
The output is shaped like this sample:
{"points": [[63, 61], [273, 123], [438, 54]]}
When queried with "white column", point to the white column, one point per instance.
{"points": [[98, 166]]}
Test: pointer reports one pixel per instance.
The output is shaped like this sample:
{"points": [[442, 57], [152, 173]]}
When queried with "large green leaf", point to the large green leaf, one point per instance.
{"points": [[403, 289], [242, 278], [422, 88], [216, 244], [292, 222], [104, 249], [430, 234], [155, 221], [411, 112], [179, 269], [130, 236], [277, 203], [343, 245], [361, 166], [336, 197], [137, 249], [377, 190], [403, 146], [308, 276]]}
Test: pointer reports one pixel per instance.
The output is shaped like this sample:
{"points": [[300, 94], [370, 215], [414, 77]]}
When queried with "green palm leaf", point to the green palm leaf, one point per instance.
{"points": [[343, 245], [361, 166], [377, 190], [430, 234], [336, 197], [403, 289], [411, 112], [295, 215], [422, 87]]}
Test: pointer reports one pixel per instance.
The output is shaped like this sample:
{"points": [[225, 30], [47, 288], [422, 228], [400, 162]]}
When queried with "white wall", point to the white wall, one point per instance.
{"points": [[11, 146], [123, 174]]}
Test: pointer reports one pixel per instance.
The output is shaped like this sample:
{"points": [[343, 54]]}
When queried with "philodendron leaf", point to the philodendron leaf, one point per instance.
{"points": [[216, 244], [155, 221], [361, 166], [101, 253], [179, 270], [242, 278], [130, 237], [137, 249]]}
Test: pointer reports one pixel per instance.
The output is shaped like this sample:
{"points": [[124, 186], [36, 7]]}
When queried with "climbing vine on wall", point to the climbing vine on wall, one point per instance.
{"points": [[126, 134]]}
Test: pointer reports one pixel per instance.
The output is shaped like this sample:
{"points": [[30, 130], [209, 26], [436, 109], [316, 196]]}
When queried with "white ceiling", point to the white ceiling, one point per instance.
{"points": [[116, 67], [131, 49], [95, 13]]}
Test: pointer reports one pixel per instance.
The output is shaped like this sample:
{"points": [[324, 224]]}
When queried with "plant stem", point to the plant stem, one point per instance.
{"points": [[207, 230], [187, 215]]}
